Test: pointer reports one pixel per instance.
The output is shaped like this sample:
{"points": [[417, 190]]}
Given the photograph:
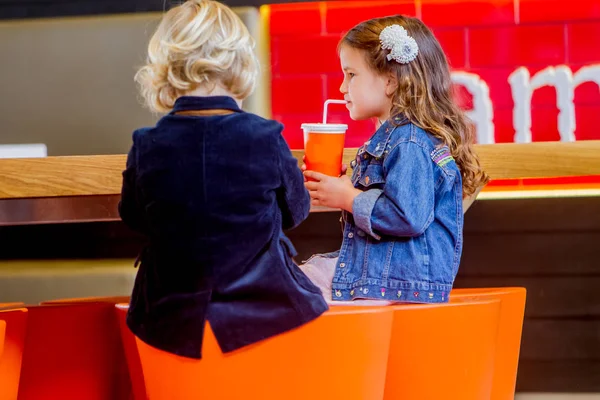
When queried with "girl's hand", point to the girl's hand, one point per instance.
{"points": [[329, 191]]}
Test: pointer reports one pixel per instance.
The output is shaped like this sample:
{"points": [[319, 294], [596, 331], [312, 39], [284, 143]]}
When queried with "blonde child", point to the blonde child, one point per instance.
{"points": [[212, 187]]}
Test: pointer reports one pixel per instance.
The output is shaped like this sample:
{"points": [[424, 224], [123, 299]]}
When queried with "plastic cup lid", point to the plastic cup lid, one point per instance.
{"points": [[325, 128]]}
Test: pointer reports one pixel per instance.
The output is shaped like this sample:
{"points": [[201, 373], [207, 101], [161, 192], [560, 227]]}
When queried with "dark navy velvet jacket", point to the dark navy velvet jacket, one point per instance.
{"points": [[212, 194]]}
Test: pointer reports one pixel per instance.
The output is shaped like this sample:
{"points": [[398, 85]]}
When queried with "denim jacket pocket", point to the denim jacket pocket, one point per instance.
{"points": [[373, 175]]}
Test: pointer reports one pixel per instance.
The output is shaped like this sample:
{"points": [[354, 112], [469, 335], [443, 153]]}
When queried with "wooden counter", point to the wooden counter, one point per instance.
{"points": [[87, 188]]}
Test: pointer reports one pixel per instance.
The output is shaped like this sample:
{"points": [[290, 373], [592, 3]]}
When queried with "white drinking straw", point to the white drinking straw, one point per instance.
{"points": [[327, 103]]}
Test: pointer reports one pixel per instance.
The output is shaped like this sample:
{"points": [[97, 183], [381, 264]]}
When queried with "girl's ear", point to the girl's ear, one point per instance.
{"points": [[391, 84]]}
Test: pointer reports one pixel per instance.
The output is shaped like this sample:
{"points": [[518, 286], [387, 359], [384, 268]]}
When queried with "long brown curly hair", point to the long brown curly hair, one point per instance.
{"points": [[424, 93]]}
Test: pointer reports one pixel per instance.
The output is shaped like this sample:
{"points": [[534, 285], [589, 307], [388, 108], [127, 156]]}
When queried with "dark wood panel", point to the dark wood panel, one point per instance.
{"points": [[64, 209], [68, 241], [547, 253], [533, 215], [320, 233], [567, 340], [559, 376], [551, 297]]}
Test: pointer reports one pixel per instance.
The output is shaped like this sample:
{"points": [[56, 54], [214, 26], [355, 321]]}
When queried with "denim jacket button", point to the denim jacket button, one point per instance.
{"points": [[342, 265], [351, 235]]}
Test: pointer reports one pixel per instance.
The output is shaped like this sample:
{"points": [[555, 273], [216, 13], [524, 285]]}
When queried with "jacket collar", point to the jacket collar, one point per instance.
{"points": [[378, 142], [193, 103]]}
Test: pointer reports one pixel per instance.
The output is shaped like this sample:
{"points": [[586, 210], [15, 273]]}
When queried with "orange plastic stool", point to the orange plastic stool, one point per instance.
{"points": [[131, 354], [15, 321], [73, 351], [11, 305], [343, 354], [2, 334], [512, 310], [443, 351], [108, 299]]}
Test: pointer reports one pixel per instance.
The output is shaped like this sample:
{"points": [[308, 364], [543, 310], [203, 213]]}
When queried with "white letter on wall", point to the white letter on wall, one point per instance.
{"points": [[562, 79], [591, 73], [482, 113]]}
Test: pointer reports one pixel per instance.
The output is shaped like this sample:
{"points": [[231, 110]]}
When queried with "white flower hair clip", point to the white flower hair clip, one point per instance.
{"points": [[403, 48]]}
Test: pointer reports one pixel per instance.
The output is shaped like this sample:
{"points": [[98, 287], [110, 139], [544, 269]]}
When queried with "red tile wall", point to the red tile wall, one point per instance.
{"points": [[490, 38]]}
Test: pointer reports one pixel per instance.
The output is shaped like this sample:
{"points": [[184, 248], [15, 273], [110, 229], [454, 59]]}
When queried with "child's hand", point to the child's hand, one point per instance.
{"points": [[303, 167], [329, 191], [344, 170]]}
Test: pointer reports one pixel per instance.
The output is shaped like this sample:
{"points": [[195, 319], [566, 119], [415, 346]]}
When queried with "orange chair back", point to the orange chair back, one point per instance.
{"points": [[131, 354], [443, 351], [15, 321], [508, 345], [343, 354], [107, 299], [73, 351], [2, 334], [10, 305]]}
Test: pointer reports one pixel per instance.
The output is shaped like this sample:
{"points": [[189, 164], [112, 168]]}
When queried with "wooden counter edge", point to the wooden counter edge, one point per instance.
{"points": [[101, 174]]}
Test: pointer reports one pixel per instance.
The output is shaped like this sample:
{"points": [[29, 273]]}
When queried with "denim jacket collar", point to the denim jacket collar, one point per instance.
{"points": [[378, 142], [189, 103], [376, 145]]}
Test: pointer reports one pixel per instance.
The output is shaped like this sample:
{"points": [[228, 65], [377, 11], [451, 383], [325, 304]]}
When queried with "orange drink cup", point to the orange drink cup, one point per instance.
{"points": [[324, 147]]}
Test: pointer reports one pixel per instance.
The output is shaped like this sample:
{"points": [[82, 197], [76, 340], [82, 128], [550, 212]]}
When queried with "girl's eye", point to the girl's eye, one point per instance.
{"points": [[351, 75]]}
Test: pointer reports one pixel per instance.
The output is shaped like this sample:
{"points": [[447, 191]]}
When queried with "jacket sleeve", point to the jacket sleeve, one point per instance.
{"points": [[292, 197], [405, 205], [130, 209]]}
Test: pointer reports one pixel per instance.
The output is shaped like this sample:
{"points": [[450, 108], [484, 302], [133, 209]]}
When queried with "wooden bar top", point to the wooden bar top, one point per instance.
{"points": [[101, 174]]}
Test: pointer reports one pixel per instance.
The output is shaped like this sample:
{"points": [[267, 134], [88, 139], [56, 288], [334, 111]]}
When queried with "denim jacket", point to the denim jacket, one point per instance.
{"points": [[212, 195], [403, 239]]}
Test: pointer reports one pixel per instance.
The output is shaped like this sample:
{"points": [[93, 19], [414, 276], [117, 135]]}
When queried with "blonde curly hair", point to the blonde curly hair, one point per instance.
{"points": [[198, 43]]}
